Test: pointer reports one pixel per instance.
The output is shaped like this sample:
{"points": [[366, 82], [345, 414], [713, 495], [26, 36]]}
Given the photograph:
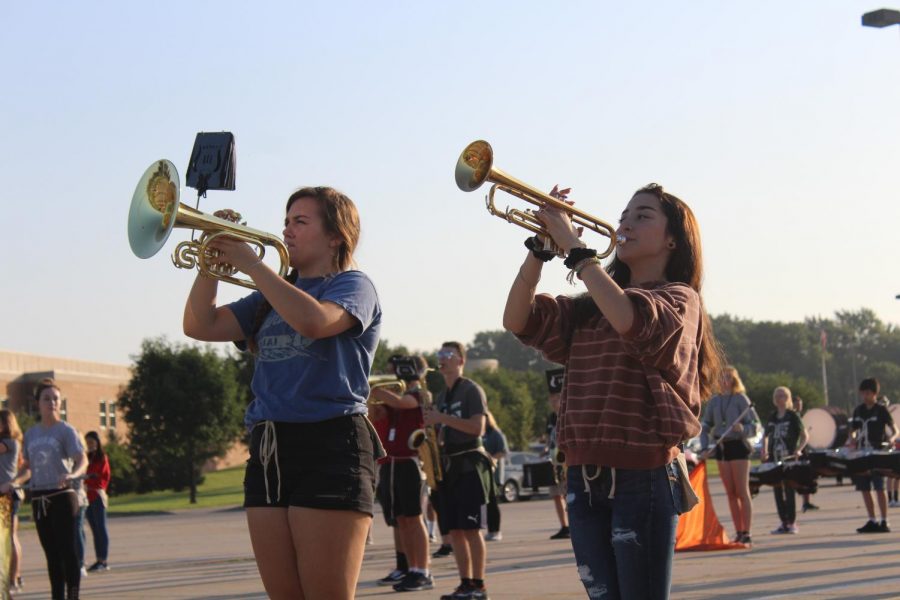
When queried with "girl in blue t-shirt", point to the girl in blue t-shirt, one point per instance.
{"points": [[309, 485]]}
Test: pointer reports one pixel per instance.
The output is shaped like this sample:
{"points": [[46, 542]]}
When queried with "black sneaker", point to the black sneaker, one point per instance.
{"points": [[479, 594], [414, 582], [744, 538], [562, 534], [393, 577], [809, 506], [98, 566], [883, 527], [462, 592], [444, 550], [869, 527]]}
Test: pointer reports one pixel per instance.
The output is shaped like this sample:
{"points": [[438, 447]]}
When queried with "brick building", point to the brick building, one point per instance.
{"points": [[89, 393], [89, 389]]}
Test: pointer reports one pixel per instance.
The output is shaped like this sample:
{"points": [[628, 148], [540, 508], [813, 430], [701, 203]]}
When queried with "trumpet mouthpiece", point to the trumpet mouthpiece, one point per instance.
{"points": [[620, 240]]}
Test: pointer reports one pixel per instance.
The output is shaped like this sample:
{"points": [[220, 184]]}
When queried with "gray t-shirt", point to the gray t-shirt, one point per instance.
{"points": [[50, 452], [721, 412], [464, 400], [9, 460]]}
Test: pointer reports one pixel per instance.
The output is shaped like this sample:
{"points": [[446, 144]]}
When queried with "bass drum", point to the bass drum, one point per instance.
{"points": [[827, 427]]}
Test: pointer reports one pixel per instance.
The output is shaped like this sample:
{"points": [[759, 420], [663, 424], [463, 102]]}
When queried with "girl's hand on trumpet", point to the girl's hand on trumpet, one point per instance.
{"points": [[236, 253], [558, 223]]}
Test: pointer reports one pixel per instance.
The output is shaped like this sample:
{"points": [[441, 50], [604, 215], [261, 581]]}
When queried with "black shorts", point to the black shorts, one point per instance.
{"points": [[732, 450], [327, 465], [462, 504], [404, 497]]}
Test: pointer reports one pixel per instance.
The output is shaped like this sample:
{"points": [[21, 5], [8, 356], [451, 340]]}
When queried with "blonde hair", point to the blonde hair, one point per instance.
{"points": [[492, 423], [9, 425], [737, 386], [781, 388]]}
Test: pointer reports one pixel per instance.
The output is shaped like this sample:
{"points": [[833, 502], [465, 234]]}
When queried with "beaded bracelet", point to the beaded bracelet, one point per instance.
{"points": [[578, 268]]}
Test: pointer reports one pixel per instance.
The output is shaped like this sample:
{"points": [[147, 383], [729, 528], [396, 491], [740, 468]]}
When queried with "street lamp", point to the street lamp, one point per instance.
{"points": [[884, 17]]}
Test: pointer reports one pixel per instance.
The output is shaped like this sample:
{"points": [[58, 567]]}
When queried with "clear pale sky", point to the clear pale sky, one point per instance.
{"points": [[776, 121]]}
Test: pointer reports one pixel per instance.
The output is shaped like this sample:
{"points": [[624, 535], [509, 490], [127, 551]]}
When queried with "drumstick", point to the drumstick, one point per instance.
{"points": [[730, 427]]}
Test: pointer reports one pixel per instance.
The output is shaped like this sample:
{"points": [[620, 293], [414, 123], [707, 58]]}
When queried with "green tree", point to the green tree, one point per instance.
{"points": [[509, 398], [507, 349], [183, 407], [123, 475]]}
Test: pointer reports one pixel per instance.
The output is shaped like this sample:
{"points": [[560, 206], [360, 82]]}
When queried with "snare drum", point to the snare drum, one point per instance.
{"points": [[768, 473], [800, 475], [885, 462]]}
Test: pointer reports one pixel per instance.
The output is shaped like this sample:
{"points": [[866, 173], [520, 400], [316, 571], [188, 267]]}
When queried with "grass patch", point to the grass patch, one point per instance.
{"points": [[221, 489]]}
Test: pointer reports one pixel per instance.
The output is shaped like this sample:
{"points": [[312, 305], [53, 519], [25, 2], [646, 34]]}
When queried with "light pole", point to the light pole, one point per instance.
{"points": [[884, 17]]}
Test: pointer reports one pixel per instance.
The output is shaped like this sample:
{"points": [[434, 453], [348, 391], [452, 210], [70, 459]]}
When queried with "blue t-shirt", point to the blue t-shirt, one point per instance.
{"points": [[301, 380]]}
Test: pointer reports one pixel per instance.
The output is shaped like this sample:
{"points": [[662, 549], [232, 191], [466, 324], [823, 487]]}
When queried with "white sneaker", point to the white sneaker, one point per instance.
{"points": [[495, 536], [83, 571]]}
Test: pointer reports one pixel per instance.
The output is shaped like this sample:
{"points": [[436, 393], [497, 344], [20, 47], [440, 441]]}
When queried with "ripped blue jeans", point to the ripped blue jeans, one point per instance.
{"points": [[622, 523]]}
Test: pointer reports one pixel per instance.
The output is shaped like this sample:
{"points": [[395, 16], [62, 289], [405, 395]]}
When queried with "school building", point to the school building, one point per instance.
{"points": [[89, 392]]}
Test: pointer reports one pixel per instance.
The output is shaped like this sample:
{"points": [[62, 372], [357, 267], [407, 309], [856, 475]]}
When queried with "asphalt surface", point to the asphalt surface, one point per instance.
{"points": [[206, 554]]}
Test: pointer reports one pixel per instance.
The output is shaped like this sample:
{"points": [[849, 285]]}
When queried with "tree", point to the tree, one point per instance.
{"points": [[183, 407], [507, 349], [509, 398]]}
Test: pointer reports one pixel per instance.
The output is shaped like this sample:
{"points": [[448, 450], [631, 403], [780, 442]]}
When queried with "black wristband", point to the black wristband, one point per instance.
{"points": [[576, 255], [537, 249]]}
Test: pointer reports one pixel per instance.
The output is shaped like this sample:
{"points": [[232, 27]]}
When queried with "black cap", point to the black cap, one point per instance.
{"points": [[555, 380]]}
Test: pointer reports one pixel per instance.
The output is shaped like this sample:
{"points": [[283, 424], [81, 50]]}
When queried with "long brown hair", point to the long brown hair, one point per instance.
{"points": [[9, 425], [685, 266], [340, 219]]}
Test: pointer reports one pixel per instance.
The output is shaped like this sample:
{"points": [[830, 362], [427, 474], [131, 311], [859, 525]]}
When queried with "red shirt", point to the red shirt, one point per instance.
{"points": [[100, 469], [395, 429]]}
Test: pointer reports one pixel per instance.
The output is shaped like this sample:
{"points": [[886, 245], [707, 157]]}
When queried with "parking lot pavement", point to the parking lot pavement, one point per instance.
{"points": [[206, 554]]}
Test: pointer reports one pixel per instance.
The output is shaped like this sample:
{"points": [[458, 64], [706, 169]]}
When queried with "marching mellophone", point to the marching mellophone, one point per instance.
{"points": [[155, 211], [476, 165]]}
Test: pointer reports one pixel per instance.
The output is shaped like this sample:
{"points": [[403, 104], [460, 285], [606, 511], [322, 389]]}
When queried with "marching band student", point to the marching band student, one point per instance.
{"points": [[732, 448], [496, 446], [54, 458], [401, 483], [870, 423], [785, 437], [10, 456], [639, 356], [467, 481], [309, 487], [557, 491]]}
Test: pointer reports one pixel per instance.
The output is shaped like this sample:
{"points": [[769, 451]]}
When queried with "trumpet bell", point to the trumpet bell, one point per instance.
{"points": [[474, 165], [154, 207]]}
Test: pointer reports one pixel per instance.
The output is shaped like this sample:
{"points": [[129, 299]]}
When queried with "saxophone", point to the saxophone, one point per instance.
{"points": [[425, 442]]}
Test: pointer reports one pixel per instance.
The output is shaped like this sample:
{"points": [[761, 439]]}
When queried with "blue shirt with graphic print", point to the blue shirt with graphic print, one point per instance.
{"points": [[301, 380]]}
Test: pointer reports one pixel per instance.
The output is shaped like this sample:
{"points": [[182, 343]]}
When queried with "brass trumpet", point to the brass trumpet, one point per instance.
{"points": [[155, 211], [390, 382], [475, 166]]}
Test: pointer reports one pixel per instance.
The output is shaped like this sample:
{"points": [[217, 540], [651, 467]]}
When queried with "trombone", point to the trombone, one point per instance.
{"points": [[475, 166], [155, 211]]}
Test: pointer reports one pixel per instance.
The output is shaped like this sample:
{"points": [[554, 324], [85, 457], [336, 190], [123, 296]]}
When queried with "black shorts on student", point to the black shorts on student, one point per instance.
{"points": [[462, 504], [326, 465], [404, 497], [732, 450]]}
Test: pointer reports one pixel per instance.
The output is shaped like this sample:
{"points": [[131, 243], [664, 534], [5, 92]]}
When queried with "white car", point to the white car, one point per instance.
{"points": [[513, 488]]}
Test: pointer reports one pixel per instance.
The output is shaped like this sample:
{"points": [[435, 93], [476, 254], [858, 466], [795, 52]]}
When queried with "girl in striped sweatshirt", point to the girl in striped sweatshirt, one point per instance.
{"points": [[639, 356]]}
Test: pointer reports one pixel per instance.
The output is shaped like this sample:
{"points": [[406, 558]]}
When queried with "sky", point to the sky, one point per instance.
{"points": [[772, 120]]}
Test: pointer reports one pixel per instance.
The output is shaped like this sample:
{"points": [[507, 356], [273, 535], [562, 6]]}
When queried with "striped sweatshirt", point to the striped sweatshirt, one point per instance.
{"points": [[628, 400]]}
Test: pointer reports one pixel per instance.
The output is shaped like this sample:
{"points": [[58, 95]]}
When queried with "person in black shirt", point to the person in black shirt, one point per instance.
{"points": [[785, 437], [870, 423], [467, 480]]}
